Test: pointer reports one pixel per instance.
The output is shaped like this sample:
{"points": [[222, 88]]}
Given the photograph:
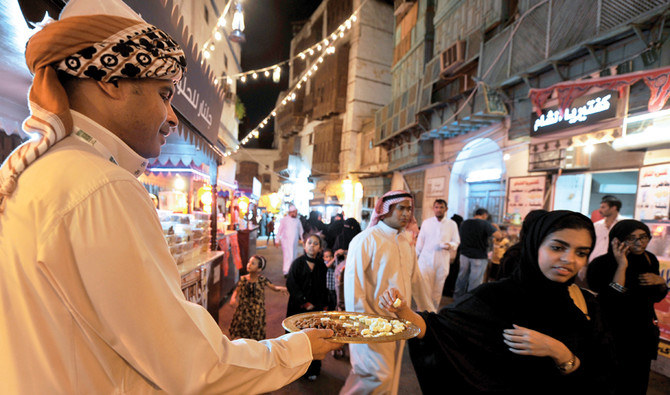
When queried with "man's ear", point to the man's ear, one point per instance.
{"points": [[116, 90]]}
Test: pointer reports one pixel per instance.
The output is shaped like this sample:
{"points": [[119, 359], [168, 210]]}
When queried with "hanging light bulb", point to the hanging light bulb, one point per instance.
{"points": [[304, 78], [237, 34], [229, 80], [206, 54], [341, 34], [311, 52], [274, 113], [276, 75], [318, 47], [298, 86], [348, 24], [333, 36], [353, 18], [222, 21], [292, 96], [217, 35], [283, 102], [216, 81], [314, 68], [254, 76], [266, 73], [302, 55], [244, 78], [342, 28], [325, 41], [321, 59], [309, 73], [211, 47]]}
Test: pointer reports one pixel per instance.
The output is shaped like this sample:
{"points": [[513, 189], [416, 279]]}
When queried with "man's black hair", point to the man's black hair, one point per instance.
{"points": [[612, 202]]}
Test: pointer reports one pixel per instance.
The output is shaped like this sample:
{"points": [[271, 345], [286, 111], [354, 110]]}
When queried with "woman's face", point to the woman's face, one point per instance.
{"points": [[637, 241], [563, 253], [312, 246]]}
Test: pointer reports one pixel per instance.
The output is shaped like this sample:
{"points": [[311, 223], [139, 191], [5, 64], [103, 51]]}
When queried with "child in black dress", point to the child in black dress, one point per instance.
{"points": [[306, 283]]}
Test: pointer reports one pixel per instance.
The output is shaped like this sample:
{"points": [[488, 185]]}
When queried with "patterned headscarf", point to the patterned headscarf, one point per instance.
{"points": [[383, 206], [102, 47]]}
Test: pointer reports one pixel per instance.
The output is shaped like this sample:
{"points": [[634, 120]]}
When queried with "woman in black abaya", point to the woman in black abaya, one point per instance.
{"points": [[534, 332], [628, 284]]}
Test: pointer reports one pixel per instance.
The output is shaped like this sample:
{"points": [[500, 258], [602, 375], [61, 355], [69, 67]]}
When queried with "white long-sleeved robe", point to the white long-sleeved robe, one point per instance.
{"points": [[289, 233], [433, 257], [91, 297], [379, 258]]}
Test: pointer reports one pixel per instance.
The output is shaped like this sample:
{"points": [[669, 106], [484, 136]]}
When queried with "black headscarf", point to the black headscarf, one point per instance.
{"points": [[464, 345], [350, 229], [623, 229], [510, 258]]}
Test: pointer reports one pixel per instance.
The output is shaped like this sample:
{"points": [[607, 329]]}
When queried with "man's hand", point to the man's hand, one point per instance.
{"points": [[321, 346]]}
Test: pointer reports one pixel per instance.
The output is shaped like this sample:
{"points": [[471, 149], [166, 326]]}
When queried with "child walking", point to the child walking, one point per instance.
{"points": [[306, 283], [249, 302]]}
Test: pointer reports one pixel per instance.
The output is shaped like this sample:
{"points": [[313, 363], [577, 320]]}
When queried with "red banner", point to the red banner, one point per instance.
{"points": [[658, 81]]}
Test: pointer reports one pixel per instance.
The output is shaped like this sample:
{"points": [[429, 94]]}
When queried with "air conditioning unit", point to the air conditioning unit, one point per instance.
{"points": [[452, 58]]}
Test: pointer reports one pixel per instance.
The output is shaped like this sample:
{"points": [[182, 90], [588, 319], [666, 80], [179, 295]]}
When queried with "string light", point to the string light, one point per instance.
{"points": [[325, 47]]}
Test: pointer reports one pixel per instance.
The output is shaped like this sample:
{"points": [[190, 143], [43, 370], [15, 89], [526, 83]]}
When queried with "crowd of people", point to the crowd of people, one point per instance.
{"points": [[519, 321]]}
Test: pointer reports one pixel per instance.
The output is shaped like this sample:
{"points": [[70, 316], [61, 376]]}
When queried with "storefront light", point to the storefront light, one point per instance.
{"points": [[506, 157], [589, 148], [484, 175], [179, 183]]}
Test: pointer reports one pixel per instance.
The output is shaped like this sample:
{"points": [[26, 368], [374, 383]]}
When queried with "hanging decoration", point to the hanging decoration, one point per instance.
{"points": [[313, 55]]}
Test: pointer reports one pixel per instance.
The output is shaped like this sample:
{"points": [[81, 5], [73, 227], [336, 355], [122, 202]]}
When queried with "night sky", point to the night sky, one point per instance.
{"points": [[268, 32]]}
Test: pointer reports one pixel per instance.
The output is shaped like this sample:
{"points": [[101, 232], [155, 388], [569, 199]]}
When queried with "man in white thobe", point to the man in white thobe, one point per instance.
{"points": [[381, 257], [438, 240], [289, 234], [96, 305]]}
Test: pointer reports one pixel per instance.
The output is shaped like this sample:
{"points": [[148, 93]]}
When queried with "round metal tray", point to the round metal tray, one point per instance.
{"points": [[410, 331]]}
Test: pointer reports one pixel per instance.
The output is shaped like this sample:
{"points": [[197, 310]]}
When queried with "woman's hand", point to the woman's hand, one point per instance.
{"points": [[524, 341], [393, 301], [649, 279], [308, 306], [620, 250]]}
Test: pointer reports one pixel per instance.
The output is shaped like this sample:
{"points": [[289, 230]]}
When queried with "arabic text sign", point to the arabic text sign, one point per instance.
{"points": [[525, 194], [653, 192], [585, 110]]}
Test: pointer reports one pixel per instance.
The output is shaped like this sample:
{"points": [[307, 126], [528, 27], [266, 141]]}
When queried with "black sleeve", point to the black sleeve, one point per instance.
{"points": [[295, 282], [600, 273], [656, 293]]}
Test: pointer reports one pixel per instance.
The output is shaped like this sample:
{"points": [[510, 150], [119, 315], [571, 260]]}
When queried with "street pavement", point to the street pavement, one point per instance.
{"points": [[334, 371]]}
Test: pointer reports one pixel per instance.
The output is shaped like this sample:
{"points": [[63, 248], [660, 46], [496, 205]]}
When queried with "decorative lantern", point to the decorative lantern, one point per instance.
{"points": [[237, 34]]}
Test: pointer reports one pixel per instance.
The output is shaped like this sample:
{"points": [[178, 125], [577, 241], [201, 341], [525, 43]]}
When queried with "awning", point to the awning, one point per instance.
{"points": [[658, 81]]}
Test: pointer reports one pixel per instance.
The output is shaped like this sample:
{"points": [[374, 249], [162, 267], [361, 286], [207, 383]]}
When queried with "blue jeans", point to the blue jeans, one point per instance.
{"points": [[470, 274]]}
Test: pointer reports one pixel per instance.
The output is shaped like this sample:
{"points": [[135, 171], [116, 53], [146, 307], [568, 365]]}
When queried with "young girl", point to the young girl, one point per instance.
{"points": [[306, 282], [331, 263], [249, 302]]}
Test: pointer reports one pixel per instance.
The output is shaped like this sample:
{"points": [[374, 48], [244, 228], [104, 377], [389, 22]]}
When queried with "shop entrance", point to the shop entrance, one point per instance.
{"points": [[477, 180], [488, 195]]}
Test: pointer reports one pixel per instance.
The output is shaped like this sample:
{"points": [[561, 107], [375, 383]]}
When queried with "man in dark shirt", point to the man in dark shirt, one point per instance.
{"points": [[475, 234]]}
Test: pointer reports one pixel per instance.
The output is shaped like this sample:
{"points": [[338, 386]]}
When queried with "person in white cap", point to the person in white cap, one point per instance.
{"points": [[91, 295], [289, 235], [380, 257]]}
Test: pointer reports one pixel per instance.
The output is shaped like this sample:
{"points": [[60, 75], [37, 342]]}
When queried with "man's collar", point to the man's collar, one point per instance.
{"points": [[387, 229], [122, 154]]}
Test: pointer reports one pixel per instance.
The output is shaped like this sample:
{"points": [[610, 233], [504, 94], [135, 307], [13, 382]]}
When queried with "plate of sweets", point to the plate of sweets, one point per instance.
{"points": [[352, 327]]}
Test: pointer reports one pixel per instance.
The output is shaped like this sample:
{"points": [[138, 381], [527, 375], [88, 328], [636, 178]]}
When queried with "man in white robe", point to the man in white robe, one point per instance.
{"points": [[289, 235], [92, 302], [438, 240], [381, 257]]}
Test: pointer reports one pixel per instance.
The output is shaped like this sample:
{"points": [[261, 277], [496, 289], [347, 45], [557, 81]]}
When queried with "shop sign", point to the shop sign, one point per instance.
{"points": [[196, 97], [653, 192], [525, 194], [585, 110]]}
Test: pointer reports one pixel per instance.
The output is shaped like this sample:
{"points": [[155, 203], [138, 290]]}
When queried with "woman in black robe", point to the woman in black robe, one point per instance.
{"points": [[533, 332], [628, 284]]}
